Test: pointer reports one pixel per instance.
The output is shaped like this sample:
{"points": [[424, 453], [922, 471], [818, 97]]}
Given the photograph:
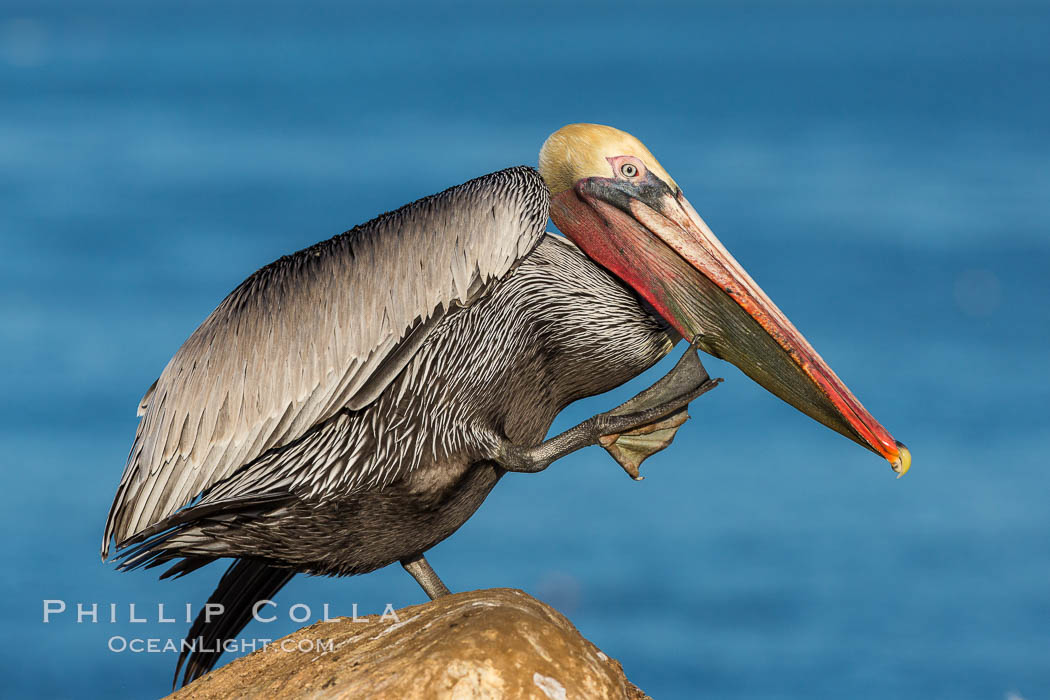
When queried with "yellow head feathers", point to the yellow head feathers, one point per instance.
{"points": [[577, 151]]}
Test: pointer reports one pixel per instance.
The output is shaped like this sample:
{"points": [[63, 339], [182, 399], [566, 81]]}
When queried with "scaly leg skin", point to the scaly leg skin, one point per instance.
{"points": [[631, 432], [425, 576]]}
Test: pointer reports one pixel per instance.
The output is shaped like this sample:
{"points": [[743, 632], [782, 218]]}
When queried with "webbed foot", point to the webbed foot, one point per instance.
{"points": [[634, 445], [631, 432]]}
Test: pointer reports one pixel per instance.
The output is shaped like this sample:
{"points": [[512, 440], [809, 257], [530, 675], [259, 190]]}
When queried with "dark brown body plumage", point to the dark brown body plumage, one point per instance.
{"points": [[556, 330], [376, 484]]}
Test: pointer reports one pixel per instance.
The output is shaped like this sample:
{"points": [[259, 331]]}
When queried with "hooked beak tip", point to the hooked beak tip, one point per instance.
{"points": [[902, 464]]}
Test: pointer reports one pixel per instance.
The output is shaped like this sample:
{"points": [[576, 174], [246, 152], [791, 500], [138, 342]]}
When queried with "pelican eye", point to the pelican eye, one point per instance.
{"points": [[629, 169]]}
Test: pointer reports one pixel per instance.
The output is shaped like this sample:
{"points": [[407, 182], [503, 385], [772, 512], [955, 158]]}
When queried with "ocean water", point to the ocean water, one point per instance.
{"points": [[882, 170]]}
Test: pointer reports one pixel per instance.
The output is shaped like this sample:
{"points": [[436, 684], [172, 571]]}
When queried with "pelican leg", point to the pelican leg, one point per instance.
{"points": [[636, 429], [425, 576]]}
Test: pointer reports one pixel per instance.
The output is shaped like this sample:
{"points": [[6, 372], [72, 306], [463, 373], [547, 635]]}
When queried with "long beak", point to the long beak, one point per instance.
{"points": [[659, 245]]}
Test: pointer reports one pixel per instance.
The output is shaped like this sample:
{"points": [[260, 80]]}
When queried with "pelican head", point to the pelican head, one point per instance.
{"points": [[619, 205]]}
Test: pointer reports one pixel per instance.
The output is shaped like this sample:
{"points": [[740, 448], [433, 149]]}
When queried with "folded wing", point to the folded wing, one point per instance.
{"points": [[315, 332]]}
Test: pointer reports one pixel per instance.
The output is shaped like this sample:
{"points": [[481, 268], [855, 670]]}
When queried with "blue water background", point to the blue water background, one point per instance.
{"points": [[883, 171]]}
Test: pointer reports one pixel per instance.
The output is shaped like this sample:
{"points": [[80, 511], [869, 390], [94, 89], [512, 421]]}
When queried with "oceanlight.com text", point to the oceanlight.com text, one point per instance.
{"points": [[138, 645]]}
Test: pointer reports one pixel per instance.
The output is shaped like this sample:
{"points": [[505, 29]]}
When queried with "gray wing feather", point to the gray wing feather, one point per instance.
{"points": [[315, 332]]}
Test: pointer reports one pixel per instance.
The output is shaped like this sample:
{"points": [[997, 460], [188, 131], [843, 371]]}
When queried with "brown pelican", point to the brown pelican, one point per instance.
{"points": [[351, 405]]}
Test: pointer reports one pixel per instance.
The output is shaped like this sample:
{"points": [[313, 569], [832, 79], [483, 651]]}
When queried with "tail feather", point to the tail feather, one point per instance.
{"points": [[186, 566], [192, 533], [245, 583]]}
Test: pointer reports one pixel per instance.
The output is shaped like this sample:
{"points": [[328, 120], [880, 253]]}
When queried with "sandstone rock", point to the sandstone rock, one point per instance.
{"points": [[498, 643]]}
